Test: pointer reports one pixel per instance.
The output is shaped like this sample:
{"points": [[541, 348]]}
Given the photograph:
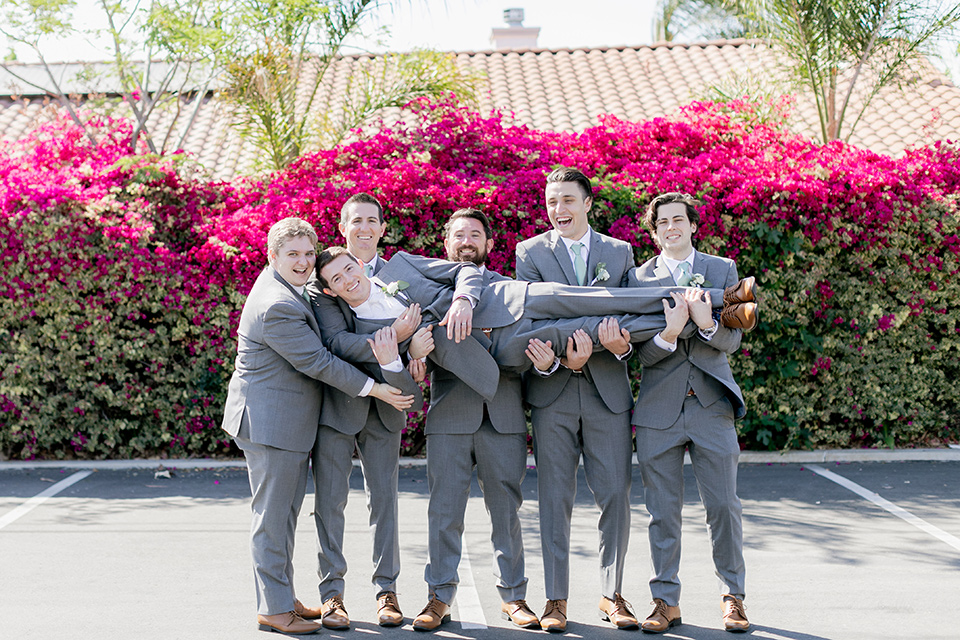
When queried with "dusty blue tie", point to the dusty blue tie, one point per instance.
{"points": [[368, 270], [683, 274], [579, 266]]}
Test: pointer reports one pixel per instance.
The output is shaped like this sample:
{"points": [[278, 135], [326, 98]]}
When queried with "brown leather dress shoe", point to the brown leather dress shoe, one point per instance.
{"points": [[554, 618], [734, 616], [617, 612], [662, 618], [519, 614], [740, 315], [388, 610], [288, 623], [433, 615], [305, 612], [744, 291], [335, 614]]}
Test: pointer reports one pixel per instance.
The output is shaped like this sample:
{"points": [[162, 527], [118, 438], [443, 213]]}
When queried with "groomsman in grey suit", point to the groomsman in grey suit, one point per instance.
{"points": [[464, 431], [373, 428], [273, 401], [688, 399], [580, 404]]}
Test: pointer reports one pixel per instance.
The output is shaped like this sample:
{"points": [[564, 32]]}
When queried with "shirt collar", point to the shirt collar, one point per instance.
{"points": [[584, 240], [672, 264]]}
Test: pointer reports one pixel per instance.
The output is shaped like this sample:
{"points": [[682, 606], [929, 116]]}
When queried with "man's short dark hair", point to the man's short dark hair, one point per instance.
{"points": [[474, 214], [690, 205], [361, 198], [569, 174], [327, 256]]}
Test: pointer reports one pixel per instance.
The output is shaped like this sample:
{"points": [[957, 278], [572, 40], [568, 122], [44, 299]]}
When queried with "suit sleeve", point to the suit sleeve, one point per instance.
{"points": [[285, 330], [629, 265], [725, 339], [404, 381]]}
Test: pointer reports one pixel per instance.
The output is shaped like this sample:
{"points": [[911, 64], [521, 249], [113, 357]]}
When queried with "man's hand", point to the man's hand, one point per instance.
{"points": [[579, 350], [700, 307], [418, 370], [391, 395], [384, 345], [459, 320], [422, 343], [407, 322], [613, 338], [676, 317], [540, 354]]}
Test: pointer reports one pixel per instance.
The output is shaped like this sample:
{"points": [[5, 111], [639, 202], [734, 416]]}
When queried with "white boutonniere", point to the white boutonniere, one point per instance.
{"points": [[395, 287], [601, 274], [697, 280]]}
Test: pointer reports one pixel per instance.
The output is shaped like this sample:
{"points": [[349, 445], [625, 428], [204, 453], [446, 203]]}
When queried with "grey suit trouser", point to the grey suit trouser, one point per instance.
{"points": [[500, 460], [711, 437], [278, 482], [379, 451], [580, 422]]}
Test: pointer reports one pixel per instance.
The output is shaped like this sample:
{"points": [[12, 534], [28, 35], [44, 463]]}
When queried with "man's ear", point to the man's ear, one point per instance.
{"points": [[329, 293], [489, 245], [587, 204]]}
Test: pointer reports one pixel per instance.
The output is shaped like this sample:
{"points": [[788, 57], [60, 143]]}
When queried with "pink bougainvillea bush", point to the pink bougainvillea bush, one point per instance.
{"points": [[125, 276], [113, 340]]}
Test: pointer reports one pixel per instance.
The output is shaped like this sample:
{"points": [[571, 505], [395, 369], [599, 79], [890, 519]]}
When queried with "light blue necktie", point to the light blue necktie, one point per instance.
{"points": [[368, 270], [683, 274], [579, 266]]}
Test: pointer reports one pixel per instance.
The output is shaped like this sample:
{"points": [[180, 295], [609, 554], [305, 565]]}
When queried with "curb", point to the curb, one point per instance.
{"points": [[746, 457]]}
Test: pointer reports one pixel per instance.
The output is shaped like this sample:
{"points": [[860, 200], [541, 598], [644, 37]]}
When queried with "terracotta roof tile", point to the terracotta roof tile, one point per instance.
{"points": [[568, 89]]}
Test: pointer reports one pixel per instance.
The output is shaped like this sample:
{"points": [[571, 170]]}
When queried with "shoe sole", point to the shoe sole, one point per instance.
{"points": [[529, 625], [339, 627], [266, 627], [673, 623], [388, 623], [737, 630], [443, 620]]}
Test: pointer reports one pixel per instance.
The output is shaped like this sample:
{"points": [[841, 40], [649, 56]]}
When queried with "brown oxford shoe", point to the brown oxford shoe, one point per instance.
{"points": [[305, 612], [388, 610], [554, 618], [662, 618], [740, 315], [519, 614], [617, 612], [433, 615], [335, 614], [744, 291], [288, 623], [734, 615]]}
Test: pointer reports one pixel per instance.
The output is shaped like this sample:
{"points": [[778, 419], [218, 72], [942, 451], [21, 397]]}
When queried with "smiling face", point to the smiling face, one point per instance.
{"points": [[345, 279], [674, 230], [567, 209], [466, 241], [362, 228], [294, 260]]}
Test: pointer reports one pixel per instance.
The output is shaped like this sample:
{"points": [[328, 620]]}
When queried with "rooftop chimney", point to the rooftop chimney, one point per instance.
{"points": [[515, 36]]}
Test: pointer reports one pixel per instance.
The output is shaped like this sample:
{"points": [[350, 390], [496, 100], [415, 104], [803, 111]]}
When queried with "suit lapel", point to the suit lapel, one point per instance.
{"points": [[563, 257], [596, 255], [661, 271]]}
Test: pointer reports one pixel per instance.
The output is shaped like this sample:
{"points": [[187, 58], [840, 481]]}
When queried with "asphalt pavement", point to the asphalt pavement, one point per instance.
{"points": [[836, 546]]}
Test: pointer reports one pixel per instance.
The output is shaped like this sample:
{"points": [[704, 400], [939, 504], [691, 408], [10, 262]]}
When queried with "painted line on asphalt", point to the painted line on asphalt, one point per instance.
{"points": [[42, 497], [468, 600], [885, 504]]}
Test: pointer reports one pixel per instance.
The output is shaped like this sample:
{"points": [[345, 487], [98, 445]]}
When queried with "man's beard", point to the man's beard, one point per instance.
{"points": [[477, 258]]}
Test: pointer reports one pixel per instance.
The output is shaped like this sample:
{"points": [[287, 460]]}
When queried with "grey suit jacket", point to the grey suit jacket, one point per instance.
{"points": [[456, 409], [697, 364], [544, 258], [276, 386]]}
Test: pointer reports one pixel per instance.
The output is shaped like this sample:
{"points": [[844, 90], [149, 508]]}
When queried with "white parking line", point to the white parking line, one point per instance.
{"points": [[883, 503], [468, 600], [42, 497]]}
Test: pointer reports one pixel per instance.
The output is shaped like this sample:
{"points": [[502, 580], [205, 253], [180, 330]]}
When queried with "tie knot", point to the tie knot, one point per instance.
{"points": [[577, 246], [368, 270]]}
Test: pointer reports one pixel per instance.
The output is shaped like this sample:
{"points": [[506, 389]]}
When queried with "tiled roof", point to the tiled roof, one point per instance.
{"points": [[567, 89]]}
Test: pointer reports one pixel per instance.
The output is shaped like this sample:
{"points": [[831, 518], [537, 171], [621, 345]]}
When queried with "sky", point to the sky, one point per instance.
{"points": [[450, 25]]}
